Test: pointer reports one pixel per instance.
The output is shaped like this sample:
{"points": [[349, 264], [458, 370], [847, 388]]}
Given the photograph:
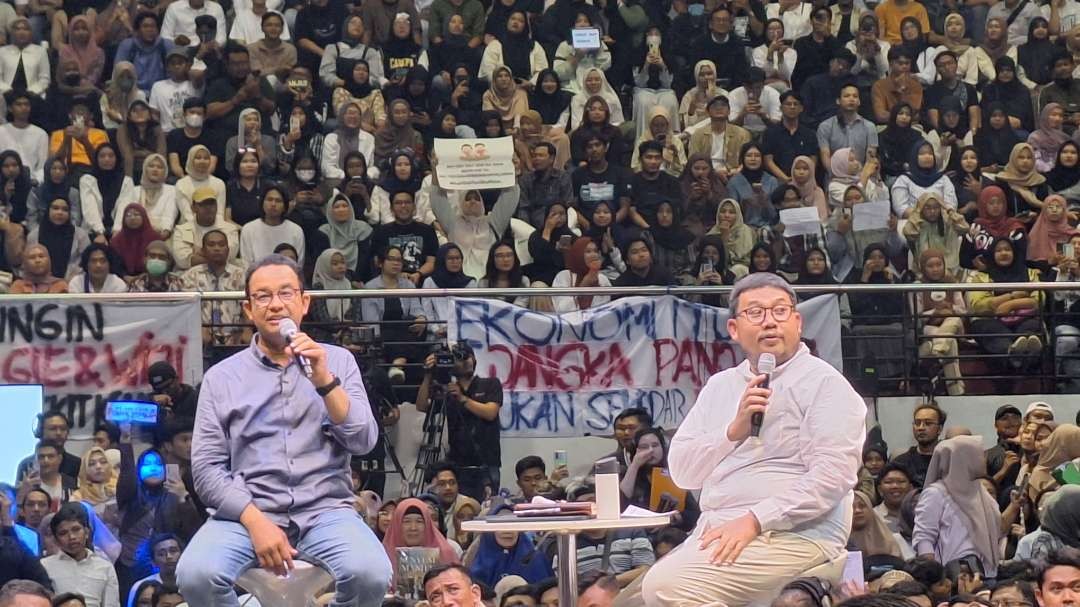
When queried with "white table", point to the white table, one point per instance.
{"points": [[566, 532]]}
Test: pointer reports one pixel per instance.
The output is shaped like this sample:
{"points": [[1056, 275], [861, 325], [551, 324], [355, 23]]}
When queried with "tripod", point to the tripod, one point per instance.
{"points": [[431, 447]]}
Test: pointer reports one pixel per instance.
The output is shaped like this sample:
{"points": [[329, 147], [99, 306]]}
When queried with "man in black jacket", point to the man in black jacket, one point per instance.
{"points": [[723, 48]]}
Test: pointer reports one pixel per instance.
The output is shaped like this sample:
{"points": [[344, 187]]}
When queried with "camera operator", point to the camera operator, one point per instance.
{"points": [[371, 468], [471, 405]]}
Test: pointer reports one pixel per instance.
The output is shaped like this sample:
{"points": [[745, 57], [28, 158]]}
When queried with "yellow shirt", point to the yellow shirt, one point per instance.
{"points": [[890, 15], [79, 153]]}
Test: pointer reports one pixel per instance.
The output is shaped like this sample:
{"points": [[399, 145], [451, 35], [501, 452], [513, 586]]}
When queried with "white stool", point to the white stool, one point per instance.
{"points": [[302, 586]]}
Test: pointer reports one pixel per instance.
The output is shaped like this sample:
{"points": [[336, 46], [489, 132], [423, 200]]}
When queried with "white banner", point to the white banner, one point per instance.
{"points": [[570, 375], [88, 351], [475, 164]]}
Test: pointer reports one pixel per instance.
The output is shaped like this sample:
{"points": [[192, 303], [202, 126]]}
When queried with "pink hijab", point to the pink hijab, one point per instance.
{"points": [[1046, 234], [395, 536], [809, 190], [89, 56]]}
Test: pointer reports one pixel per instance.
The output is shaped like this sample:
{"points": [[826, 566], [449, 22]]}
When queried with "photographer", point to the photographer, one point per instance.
{"points": [[371, 468], [175, 398], [471, 405]]}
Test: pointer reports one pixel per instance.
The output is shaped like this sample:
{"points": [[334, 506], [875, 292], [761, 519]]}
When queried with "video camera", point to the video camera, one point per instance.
{"points": [[446, 356], [365, 342]]}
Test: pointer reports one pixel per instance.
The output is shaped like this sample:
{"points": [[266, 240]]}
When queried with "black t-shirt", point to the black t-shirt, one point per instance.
{"points": [[591, 188], [964, 92], [915, 463], [417, 241], [178, 142], [785, 146], [320, 24], [224, 89], [647, 194], [474, 441]]}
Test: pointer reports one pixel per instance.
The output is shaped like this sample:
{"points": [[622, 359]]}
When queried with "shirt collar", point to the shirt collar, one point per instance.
{"points": [[261, 356]]}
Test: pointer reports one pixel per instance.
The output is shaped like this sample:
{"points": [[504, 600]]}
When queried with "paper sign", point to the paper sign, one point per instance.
{"points": [[871, 216], [801, 221], [585, 38], [475, 164], [853, 568]]}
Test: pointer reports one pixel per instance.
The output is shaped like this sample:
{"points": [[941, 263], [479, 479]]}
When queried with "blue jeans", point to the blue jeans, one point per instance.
{"points": [[339, 540]]}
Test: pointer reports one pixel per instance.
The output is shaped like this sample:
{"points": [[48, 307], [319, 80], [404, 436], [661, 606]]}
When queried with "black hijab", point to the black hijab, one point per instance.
{"points": [[875, 277], [806, 278], [923, 178], [50, 190], [897, 141], [517, 49], [995, 145], [17, 202], [550, 106], [768, 251], [392, 184], [57, 239], [1016, 271], [359, 90], [1062, 177], [673, 237], [444, 278], [1037, 56], [109, 182], [751, 175]]}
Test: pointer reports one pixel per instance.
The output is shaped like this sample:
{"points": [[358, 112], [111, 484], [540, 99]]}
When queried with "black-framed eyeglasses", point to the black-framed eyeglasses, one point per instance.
{"points": [[263, 299], [756, 314]]}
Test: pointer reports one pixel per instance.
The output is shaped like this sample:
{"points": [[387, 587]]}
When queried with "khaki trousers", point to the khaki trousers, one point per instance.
{"points": [[686, 578]]}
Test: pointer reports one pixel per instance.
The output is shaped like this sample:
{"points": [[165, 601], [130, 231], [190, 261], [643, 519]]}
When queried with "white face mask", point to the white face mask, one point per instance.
{"points": [[306, 175], [193, 120]]}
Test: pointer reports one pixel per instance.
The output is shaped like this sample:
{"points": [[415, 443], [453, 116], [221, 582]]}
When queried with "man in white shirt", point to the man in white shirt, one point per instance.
{"points": [[76, 568], [180, 21], [772, 507], [30, 141], [187, 238], [167, 96], [755, 106], [165, 552]]}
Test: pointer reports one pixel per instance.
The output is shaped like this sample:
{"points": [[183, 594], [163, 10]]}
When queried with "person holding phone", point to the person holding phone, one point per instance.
{"points": [[583, 265]]}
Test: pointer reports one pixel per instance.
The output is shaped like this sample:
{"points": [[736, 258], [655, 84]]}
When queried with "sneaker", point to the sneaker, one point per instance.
{"points": [[1019, 345], [397, 375], [1034, 345]]}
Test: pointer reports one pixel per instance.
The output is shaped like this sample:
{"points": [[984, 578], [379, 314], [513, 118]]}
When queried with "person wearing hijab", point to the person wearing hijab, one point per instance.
{"points": [[1006, 89], [401, 51], [1048, 138], [1059, 523], [968, 181], [348, 137], [711, 268], [402, 175], [120, 93], [1008, 323], [993, 217], [306, 140], [658, 127], [473, 229], [897, 140], [738, 237], [100, 272], [591, 83], [448, 274], [139, 137], [16, 200], [802, 177], [671, 241], [932, 225], [531, 131], [1050, 231], [752, 186], [847, 171], [1036, 56], [941, 316], [955, 517], [996, 140], [249, 135], [955, 40], [331, 274], [569, 62], [597, 120], [64, 240], [416, 90], [515, 50], [129, 244], [583, 269], [82, 48], [914, 41], [506, 553], [922, 176], [702, 189], [154, 195], [348, 235], [103, 191], [397, 134], [876, 322], [1062, 446], [412, 527], [198, 176], [952, 131], [1064, 178], [550, 100], [37, 276], [869, 532], [694, 106], [995, 45], [505, 97], [546, 245], [1025, 188], [350, 49], [59, 183], [358, 87]]}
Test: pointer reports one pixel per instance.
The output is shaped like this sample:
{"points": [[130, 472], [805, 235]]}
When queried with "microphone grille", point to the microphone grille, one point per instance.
{"points": [[287, 328], [766, 363]]}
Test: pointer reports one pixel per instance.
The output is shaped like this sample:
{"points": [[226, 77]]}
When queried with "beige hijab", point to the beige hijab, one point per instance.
{"points": [[1062, 445], [874, 539]]}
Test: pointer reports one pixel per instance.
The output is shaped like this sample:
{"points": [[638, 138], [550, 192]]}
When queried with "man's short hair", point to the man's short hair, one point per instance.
{"points": [[161, 591], [528, 462], [51, 414], [909, 589], [897, 53], [845, 55], [435, 572], [945, 53], [893, 467], [596, 136], [1066, 556], [758, 280], [789, 94], [49, 444], [71, 511], [718, 99], [942, 416], [670, 535], [643, 416], [143, 16], [233, 48], [269, 15], [273, 259], [926, 571], [214, 231], [33, 490], [443, 466], [110, 429], [60, 599], [605, 581], [1061, 55], [14, 588], [547, 145], [883, 599], [158, 538], [755, 75], [651, 145]]}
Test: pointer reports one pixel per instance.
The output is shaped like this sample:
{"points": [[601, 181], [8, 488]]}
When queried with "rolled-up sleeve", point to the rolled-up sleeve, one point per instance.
{"points": [[215, 483], [359, 432]]}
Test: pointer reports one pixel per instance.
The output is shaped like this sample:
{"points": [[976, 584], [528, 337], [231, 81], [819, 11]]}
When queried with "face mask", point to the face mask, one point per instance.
{"points": [[72, 79], [156, 267], [306, 175], [193, 120], [696, 10], [125, 83], [652, 41]]}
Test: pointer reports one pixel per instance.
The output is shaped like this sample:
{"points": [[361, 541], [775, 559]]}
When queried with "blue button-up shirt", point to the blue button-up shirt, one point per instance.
{"points": [[263, 437]]}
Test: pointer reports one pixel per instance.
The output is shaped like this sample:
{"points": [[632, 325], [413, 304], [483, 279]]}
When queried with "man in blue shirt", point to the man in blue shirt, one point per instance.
{"points": [[146, 50], [270, 455]]}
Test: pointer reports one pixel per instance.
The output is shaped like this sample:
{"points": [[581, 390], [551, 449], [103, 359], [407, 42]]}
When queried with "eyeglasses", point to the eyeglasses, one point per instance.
{"points": [[263, 299], [756, 314]]}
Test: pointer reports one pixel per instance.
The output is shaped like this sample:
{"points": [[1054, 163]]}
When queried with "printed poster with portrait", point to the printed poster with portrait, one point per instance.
{"points": [[475, 164]]}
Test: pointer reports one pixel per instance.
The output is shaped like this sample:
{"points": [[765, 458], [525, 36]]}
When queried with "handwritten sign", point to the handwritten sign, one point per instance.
{"points": [[570, 375], [475, 164], [870, 216], [87, 352], [800, 221], [585, 38]]}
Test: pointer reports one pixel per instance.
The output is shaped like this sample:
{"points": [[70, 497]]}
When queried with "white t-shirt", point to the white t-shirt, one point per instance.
{"points": [[247, 27], [168, 97], [770, 102], [1069, 15], [32, 144]]}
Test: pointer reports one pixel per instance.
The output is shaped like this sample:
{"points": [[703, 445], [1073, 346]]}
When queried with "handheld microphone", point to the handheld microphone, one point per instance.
{"points": [[765, 365], [288, 329]]}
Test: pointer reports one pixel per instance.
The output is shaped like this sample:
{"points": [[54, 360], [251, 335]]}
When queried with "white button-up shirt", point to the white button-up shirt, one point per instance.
{"points": [[93, 577]]}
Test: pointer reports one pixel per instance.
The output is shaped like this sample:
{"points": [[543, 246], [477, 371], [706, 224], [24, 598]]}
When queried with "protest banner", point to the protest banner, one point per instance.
{"points": [[570, 375], [87, 351], [475, 164]]}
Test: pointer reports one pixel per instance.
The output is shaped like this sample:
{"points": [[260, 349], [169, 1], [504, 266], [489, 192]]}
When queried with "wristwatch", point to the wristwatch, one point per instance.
{"points": [[328, 388]]}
